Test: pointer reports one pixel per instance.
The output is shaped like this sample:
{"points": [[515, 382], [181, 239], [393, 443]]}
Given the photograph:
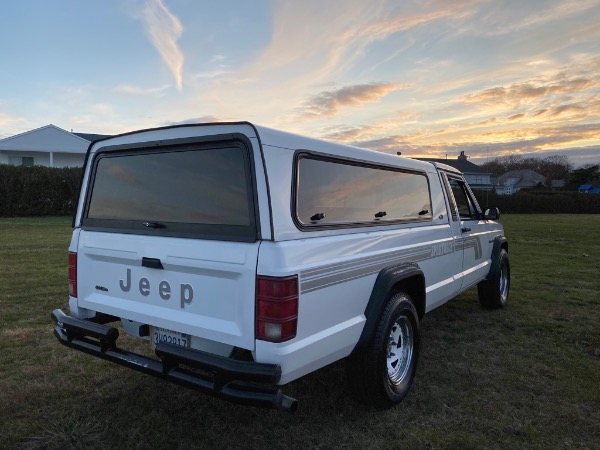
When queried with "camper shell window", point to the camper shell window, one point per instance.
{"points": [[202, 190], [332, 192]]}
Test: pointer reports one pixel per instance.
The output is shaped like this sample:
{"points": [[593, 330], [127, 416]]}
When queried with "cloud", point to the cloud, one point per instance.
{"points": [[328, 103], [491, 121], [216, 73], [500, 18], [348, 134], [135, 90], [195, 120], [565, 109], [164, 29], [566, 94], [412, 18], [518, 92], [18, 124], [495, 142], [334, 38]]}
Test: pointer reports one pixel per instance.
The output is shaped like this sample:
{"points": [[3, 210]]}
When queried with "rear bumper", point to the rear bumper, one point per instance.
{"points": [[243, 382]]}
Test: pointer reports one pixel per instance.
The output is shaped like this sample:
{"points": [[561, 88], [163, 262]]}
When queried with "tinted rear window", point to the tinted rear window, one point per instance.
{"points": [[192, 190], [332, 192]]}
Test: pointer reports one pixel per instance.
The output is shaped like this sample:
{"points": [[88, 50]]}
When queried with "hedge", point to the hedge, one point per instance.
{"points": [[541, 201], [45, 191], [38, 190]]}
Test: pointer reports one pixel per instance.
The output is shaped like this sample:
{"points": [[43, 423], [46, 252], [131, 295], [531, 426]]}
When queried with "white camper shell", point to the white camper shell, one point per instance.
{"points": [[249, 257]]}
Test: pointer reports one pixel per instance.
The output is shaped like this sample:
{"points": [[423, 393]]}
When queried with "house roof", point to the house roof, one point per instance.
{"points": [[92, 137], [522, 178], [461, 164], [49, 138]]}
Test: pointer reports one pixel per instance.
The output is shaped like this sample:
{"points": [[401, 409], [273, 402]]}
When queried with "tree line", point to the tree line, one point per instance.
{"points": [[541, 201], [46, 191], [551, 167]]}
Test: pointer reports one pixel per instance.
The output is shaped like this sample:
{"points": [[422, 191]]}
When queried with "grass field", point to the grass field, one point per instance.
{"points": [[527, 376]]}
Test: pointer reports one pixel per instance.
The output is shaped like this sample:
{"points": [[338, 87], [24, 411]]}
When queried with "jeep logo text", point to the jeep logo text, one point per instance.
{"points": [[186, 292]]}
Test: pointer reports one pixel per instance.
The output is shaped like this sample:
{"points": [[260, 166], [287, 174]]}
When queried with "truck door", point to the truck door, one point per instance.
{"points": [[474, 234]]}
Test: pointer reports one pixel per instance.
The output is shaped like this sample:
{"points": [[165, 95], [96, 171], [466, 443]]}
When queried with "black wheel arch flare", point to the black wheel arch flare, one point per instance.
{"points": [[406, 277], [500, 243]]}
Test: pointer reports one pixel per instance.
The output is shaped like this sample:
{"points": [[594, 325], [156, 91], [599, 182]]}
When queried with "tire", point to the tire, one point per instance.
{"points": [[493, 293], [382, 372]]}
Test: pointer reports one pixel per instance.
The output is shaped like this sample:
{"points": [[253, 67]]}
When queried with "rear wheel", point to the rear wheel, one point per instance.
{"points": [[382, 372], [493, 293]]}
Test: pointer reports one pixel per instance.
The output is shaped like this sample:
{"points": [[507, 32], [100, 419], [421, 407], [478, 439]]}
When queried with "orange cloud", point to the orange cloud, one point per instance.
{"points": [[495, 142], [349, 134], [380, 29], [517, 93], [565, 109], [328, 103]]}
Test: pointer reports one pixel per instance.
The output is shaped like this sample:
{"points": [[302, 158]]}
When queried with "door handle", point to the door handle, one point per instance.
{"points": [[465, 229], [152, 263]]}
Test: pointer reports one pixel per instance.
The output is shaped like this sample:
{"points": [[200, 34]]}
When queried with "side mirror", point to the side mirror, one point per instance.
{"points": [[491, 214]]}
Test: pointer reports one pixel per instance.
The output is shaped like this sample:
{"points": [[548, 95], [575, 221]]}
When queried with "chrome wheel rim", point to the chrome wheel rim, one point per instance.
{"points": [[504, 282], [400, 350]]}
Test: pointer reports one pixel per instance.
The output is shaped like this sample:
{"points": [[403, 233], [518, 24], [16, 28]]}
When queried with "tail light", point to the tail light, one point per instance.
{"points": [[73, 274], [276, 308]]}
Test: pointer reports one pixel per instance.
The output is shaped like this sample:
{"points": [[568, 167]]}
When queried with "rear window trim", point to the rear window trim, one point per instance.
{"points": [[300, 154], [235, 233]]}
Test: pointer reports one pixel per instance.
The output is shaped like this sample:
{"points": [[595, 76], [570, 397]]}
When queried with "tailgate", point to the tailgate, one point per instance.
{"points": [[204, 288], [170, 235]]}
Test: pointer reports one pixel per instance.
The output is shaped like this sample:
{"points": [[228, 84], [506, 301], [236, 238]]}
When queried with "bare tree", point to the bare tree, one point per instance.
{"points": [[555, 167]]}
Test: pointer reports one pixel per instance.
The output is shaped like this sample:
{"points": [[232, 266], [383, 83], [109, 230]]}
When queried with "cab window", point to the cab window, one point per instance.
{"points": [[467, 209]]}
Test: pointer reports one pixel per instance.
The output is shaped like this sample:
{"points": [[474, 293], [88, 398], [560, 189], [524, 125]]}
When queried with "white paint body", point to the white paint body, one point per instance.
{"points": [[336, 268]]}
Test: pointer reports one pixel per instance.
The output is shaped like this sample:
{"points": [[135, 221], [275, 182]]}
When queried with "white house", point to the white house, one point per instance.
{"points": [[515, 180], [49, 146]]}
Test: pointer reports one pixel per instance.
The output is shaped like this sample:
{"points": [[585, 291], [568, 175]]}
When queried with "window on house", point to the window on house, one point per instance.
{"points": [[21, 160]]}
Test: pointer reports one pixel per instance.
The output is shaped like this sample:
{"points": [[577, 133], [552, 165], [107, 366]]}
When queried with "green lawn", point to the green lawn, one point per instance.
{"points": [[527, 376]]}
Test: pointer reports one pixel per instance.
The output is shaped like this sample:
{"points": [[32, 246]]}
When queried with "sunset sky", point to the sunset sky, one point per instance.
{"points": [[428, 78]]}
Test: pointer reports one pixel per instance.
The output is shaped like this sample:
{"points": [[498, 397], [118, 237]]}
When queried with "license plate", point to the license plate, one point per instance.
{"points": [[158, 335]]}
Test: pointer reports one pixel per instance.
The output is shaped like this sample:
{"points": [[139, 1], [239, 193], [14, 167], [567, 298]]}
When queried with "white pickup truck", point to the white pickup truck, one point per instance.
{"points": [[249, 257]]}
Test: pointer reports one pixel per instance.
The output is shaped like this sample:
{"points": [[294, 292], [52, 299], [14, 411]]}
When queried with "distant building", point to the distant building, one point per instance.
{"points": [[515, 180], [477, 177], [48, 146]]}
